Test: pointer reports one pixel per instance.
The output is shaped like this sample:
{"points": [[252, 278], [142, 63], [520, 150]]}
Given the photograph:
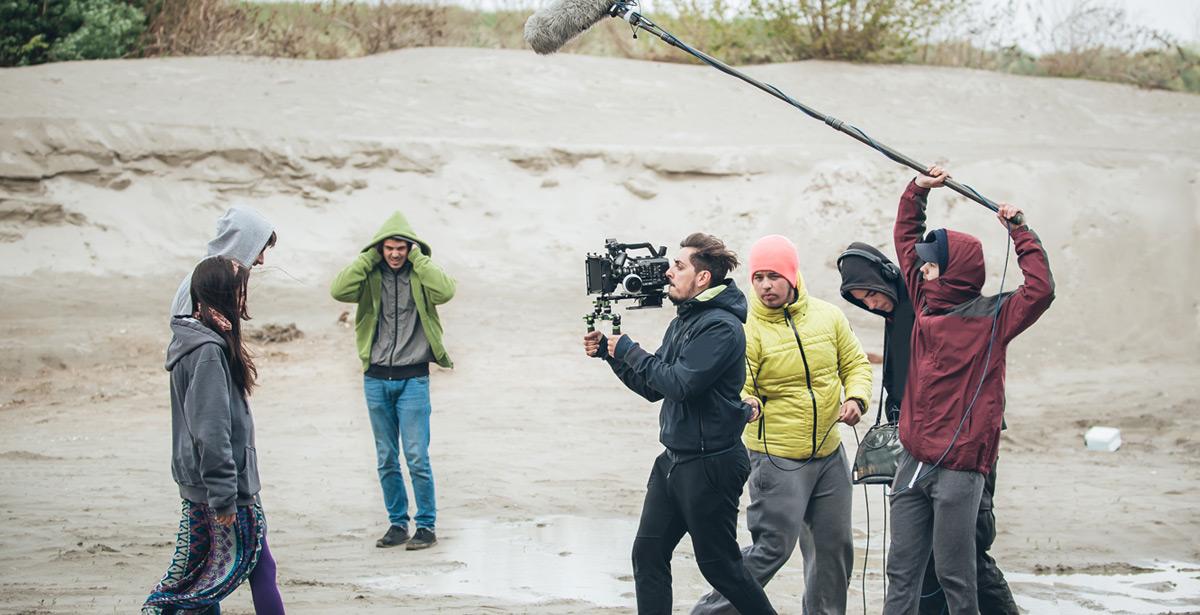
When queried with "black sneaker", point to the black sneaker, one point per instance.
{"points": [[423, 539], [394, 537]]}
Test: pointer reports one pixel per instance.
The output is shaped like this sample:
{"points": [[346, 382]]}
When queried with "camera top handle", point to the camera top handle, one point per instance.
{"points": [[614, 247]]}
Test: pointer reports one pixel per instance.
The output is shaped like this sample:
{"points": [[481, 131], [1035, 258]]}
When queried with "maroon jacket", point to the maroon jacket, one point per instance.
{"points": [[950, 340]]}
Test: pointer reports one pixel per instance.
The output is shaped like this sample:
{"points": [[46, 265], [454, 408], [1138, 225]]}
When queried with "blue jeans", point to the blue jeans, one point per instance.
{"points": [[399, 412]]}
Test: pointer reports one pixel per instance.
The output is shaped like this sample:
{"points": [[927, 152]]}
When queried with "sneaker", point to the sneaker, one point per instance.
{"points": [[423, 539], [394, 537]]}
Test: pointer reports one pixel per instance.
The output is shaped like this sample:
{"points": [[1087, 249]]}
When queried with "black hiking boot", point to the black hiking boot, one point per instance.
{"points": [[423, 539], [394, 537]]}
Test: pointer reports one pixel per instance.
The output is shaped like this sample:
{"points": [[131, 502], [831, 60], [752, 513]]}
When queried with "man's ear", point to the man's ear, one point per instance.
{"points": [[704, 278]]}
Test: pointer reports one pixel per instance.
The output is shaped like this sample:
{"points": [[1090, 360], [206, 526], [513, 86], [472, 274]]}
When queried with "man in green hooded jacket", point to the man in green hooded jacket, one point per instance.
{"points": [[397, 288]]}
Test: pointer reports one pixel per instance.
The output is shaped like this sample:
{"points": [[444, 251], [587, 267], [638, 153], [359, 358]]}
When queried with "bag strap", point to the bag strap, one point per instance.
{"points": [[887, 326]]}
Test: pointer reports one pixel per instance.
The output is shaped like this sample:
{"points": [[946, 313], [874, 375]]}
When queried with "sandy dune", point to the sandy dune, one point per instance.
{"points": [[513, 166]]}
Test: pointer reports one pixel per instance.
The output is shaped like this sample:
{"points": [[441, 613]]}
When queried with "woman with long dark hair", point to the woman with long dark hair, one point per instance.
{"points": [[222, 538]]}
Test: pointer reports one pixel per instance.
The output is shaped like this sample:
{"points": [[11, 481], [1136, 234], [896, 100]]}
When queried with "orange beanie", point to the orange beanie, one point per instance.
{"points": [[775, 253]]}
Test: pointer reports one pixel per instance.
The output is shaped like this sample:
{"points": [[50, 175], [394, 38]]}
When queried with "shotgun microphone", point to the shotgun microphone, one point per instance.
{"points": [[548, 29]]}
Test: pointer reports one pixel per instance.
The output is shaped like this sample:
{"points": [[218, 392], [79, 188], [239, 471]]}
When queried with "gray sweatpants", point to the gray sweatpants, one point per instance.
{"points": [[936, 514], [809, 507]]}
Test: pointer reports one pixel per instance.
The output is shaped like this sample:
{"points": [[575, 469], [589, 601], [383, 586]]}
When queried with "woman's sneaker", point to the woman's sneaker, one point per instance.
{"points": [[423, 539], [394, 537]]}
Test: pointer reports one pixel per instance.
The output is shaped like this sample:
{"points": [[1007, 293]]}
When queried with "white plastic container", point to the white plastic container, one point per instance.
{"points": [[1107, 439]]}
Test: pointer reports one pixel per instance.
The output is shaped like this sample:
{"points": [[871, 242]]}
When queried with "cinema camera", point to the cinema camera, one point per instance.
{"points": [[642, 278]]}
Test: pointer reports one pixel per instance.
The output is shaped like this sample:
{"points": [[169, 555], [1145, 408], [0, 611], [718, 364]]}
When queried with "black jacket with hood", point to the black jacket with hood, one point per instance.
{"points": [[212, 431], [698, 373], [863, 274]]}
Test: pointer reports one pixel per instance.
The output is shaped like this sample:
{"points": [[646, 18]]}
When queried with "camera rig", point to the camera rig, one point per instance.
{"points": [[642, 278]]}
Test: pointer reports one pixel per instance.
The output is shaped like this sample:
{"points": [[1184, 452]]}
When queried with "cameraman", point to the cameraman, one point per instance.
{"points": [[695, 484]]}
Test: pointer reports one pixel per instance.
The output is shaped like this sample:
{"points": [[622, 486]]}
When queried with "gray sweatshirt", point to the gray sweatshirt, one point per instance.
{"points": [[242, 233], [212, 432], [399, 337]]}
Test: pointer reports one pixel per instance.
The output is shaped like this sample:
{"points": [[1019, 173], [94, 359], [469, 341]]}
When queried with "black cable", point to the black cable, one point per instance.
{"points": [[887, 328], [624, 9], [867, 550], [803, 462], [886, 505]]}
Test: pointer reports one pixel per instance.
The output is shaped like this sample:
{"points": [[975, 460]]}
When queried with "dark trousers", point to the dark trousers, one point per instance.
{"points": [[697, 497], [995, 598]]}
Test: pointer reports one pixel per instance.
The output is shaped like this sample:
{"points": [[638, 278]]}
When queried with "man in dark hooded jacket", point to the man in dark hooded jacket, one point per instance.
{"points": [[695, 484], [953, 404], [873, 282]]}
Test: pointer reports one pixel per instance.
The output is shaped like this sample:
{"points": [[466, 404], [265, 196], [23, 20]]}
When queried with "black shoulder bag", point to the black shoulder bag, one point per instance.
{"points": [[875, 461]]}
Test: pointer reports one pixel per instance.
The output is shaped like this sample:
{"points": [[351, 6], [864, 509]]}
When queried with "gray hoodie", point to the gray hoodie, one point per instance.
{"points": [[242, 233], [212, 432]]}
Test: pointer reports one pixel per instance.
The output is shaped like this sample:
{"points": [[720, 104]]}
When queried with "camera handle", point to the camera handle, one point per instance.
{"points": [[602, 310]]}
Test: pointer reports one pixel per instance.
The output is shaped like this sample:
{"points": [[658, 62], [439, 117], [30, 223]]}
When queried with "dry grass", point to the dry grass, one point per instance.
{"points": [[291, 30], [1092, 42]]}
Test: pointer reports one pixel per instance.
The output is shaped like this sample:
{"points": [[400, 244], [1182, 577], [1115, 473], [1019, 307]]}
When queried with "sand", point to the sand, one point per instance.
{"points": [[513, 167]]}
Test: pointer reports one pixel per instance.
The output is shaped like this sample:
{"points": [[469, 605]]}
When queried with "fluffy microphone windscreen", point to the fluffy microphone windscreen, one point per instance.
{"points": [[555, 25]]}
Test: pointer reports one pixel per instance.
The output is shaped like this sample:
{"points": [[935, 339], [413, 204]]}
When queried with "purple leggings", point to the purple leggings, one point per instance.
{"points": [[265, 592]]}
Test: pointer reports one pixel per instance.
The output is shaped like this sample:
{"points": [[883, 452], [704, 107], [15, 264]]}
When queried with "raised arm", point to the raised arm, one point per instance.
{"points": [[910, 225], [347, 286], [1033, 298], [438, 286]]}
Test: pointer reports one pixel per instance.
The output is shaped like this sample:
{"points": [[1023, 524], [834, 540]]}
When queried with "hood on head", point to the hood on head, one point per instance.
{"points": [[397, 226], [189, 334], [860, 273], [242, 233], [962, 278]]}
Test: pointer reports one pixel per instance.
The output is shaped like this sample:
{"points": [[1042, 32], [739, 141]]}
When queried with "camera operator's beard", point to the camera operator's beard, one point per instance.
{"points": [[678, 300]]}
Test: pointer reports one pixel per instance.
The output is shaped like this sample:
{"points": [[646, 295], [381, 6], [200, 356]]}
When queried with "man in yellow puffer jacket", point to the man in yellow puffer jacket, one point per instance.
{"points": [[806, 371]]}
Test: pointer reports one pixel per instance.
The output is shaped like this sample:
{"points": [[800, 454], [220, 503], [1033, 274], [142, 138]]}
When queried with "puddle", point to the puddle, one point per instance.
{"points": [[552, 558], [1171, 587], [585, 559]]}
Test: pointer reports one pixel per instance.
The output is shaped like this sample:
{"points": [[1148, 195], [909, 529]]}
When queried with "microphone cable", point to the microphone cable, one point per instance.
{"points": [[624, 9]]}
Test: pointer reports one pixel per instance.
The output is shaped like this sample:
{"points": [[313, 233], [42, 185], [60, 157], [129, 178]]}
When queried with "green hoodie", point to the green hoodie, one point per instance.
{"points": [[361, 282]]}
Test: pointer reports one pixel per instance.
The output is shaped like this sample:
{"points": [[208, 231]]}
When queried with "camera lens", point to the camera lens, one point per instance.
{"points": [[632, 283]]}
